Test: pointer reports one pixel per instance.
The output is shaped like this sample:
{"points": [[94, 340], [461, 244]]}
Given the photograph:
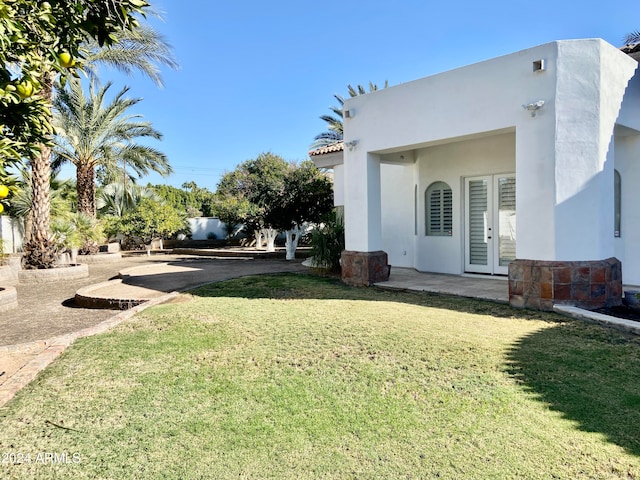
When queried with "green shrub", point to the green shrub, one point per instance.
{"points": [[327, 243]]}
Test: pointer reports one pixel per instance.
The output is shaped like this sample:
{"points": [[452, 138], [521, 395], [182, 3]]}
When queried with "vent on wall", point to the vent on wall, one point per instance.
{"points": [[538, 66]]}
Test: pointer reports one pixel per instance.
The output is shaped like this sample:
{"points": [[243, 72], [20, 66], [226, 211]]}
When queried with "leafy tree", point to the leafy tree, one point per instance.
{"points": [[150, 220], [201, 198], [231, 211], [194, 200], [335, 129], [40, 41], [307, 197], [281, 196], [260, 181], [91, 133]]}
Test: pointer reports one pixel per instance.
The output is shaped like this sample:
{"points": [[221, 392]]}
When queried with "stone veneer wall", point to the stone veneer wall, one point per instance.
{"points": [[586, 284], [363, 269]]}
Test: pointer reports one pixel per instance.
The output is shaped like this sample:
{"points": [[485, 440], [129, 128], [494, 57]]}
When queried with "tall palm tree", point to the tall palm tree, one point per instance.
{"points": [[335, 131], [91, 133], [140, 50]]}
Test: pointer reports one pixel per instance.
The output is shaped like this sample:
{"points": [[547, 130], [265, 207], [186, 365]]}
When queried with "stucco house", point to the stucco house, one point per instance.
{"points": [[526, 165]]}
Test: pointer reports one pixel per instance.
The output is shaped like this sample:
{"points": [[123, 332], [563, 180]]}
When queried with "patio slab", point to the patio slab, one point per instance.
{"points": [[482, 287]]}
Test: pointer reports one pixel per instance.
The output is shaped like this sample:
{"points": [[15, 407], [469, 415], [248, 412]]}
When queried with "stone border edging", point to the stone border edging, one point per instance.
{"points": [[49, 275], [53, 347], [84, 298], [629, 326], [100, 258]]}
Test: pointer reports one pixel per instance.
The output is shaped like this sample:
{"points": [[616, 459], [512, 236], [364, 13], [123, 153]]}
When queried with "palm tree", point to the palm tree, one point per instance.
{"points": [[140, 50], [335, 130], [117, 199], [633, 37], [61, 198], [92, 134]]}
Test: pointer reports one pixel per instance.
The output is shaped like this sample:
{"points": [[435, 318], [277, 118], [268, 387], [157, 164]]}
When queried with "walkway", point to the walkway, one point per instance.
{"points": [[46, 321], [483, 287]]}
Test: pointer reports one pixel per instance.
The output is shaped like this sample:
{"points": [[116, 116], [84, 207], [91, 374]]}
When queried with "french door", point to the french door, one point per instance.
{"points": [[490, 223]]}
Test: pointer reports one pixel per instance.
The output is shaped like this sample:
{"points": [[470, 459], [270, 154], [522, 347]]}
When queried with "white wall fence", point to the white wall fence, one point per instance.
{"points": [[203, 227], [11, 233]]}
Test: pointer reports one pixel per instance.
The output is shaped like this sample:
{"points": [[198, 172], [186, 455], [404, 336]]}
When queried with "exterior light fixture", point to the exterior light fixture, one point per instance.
{"points": [[349, 113], [539, 66], [533, 107], [351, 144]]}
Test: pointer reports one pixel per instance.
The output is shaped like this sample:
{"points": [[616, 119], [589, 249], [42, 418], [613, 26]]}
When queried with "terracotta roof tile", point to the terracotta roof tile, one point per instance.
{"points": [[632, 49], [331, 148]]}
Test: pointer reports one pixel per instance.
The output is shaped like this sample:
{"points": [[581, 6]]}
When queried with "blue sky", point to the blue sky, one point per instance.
{"points": [[255, 75]]}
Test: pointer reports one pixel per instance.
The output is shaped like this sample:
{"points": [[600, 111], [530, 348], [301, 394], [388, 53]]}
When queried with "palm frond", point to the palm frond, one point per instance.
{"points": [[633, 37], [139, 50]]}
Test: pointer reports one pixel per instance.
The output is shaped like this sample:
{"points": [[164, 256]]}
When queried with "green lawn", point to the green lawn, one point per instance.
{"points": [[302, 377]]}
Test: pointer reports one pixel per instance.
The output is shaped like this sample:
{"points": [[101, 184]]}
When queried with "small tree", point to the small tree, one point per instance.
{"points": [[79, 233], [151, 220], [262, 183], [231, 211], [307, 198], [282, 196]]}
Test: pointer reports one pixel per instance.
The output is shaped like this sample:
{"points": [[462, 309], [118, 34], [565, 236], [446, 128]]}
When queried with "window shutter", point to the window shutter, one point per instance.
{"points": [[439, 209]]}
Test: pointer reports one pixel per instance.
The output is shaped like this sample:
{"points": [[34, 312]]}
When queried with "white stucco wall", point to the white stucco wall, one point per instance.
{"points": [[591, 81], [627, 246], [563, 166], [627, 162], [338, 185], [451, 163], [202, 226], [398, 237]]}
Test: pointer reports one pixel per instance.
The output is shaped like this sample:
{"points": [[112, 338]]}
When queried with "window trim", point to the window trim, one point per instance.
{"points": [[443, 211]]}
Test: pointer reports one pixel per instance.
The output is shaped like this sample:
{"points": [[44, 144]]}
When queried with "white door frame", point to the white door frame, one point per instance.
{"points": [[490, 236]]}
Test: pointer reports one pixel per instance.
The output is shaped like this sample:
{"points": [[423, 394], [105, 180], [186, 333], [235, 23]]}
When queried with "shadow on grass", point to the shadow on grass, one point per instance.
{"points": [[311, 285], [589, 373]]}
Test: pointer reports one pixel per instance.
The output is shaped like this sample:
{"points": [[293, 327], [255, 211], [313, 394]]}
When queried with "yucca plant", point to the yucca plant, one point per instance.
{"points": [[327, 243], [78, 231]]}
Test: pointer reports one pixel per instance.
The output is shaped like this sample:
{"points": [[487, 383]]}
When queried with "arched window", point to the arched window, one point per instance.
{"points": [[617, 201], [439, 209]]}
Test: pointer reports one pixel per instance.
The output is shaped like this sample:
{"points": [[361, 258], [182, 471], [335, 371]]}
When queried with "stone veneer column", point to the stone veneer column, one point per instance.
{"points": [[586, 284], [363, 269]]}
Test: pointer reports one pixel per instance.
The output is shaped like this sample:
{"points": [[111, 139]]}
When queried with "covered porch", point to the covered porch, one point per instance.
{"points": [[482, 287]]}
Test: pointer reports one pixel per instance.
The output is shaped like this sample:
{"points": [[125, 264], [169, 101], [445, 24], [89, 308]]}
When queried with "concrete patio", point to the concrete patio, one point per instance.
{"points": [[494, 288]]}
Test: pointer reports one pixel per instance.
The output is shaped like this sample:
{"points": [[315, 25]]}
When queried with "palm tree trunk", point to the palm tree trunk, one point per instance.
{"points": [[40, 182], [40, 250], [86, 188]]}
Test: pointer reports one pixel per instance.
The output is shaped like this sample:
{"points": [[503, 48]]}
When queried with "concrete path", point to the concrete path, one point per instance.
{"points": [[484, 287], [46, 320]]}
